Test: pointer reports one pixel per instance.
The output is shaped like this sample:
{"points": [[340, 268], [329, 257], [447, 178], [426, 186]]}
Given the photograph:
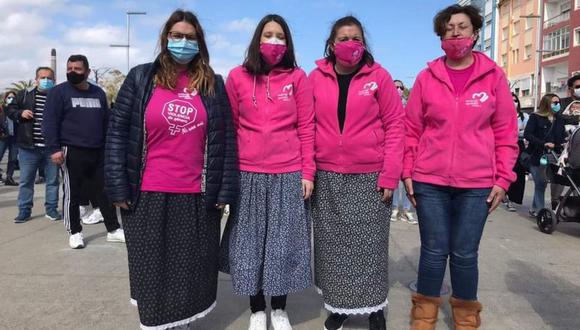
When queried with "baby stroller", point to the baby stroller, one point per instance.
{"points": [[564, 170]]}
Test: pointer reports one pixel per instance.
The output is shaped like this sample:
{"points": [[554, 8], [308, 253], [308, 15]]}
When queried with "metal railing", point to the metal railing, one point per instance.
{"points": [[557, 19]]}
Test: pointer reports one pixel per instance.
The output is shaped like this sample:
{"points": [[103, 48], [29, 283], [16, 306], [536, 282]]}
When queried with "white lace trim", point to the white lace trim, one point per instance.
{"points": [[354, 311], [133, 302], [182, 322]]}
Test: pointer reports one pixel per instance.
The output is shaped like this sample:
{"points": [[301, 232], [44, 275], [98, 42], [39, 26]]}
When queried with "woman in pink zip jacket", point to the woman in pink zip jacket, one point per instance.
{"points": [[460, 149], [273, 116], [359, 152]]}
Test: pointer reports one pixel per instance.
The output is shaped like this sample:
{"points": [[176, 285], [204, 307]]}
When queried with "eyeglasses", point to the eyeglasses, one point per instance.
{"points": [[400, 87], [178, 36]]}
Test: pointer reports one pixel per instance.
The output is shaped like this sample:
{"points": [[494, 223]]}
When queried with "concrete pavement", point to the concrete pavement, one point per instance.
{"points": [[528, 280]]}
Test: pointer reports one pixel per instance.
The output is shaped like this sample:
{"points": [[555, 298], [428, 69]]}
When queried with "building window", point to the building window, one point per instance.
{"points": [[504, 60], [516, 30], [504, 33], [528, 52], [577, 4], [557, 42], [577, 36], [530, 23], [515, 56], [488, 19], [525, 92]]}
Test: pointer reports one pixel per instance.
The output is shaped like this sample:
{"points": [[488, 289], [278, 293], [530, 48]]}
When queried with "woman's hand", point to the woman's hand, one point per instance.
{"points": [[495, 197], [386, 194], [410, 193], [123, 205], [549, 145], [307, 188]]}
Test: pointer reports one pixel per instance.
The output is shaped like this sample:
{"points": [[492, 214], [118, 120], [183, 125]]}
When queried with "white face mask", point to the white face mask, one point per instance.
{"points": [[577, 92]]}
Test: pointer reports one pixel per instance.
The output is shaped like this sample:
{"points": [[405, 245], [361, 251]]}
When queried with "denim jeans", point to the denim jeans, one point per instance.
{"points": [[30, 160], [8, 144], [451, 222], [397, 199], [539, 176]]}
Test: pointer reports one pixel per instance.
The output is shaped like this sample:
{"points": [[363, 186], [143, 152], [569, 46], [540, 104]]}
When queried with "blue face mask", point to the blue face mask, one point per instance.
{"points": [[9, 100], [183, 51], [45, 83], [556, 107]]}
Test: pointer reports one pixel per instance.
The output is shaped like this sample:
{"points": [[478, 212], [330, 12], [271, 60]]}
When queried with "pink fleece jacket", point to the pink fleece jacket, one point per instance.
{"points": [[373, 133], [464, 139], [274, 119]]}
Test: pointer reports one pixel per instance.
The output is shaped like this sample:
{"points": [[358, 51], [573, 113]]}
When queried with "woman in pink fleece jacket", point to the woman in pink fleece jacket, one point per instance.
{"points": [[359, 151], [273, 115], [460, 149]]}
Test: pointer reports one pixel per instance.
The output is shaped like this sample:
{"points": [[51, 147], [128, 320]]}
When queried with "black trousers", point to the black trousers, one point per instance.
{"points": [[84, 165], [258, 302]]}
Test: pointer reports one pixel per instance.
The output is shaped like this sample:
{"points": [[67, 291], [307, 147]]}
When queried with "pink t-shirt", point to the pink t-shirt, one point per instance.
{"points": [[460, 77], [176, 123]]}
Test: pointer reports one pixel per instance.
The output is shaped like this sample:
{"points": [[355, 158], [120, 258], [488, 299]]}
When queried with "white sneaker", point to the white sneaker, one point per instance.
{"points": [[93, 218], [76, 241], [395, 215], [409, 217], [116, 236], [85, 211], [279, 319], [258, 321]]}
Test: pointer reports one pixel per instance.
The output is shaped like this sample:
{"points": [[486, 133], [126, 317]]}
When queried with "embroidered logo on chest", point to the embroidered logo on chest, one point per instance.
{"points": [[477, 100], [186, 94], [368, 89], [287, 92], [180, 115]]}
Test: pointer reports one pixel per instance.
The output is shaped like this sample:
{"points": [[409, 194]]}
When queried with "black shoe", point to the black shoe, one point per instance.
{"points": [[40, 180], [555, 205], [377, 321], [335, 321], [10, 182]]}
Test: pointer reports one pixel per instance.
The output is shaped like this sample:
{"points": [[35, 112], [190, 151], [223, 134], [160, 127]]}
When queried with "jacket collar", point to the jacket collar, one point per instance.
{"points": [[482, 63]]}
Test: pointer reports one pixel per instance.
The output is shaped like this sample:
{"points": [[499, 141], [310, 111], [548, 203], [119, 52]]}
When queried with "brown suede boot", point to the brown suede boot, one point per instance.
{"points": [[466, 314], [424, 312]]}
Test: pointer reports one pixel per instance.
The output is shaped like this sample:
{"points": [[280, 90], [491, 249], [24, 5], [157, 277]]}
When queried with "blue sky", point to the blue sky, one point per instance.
{"points": [[399, 31]]}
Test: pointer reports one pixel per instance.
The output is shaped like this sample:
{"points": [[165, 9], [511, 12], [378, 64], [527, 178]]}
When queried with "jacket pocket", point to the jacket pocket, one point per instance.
{"points": [[379, 138]]}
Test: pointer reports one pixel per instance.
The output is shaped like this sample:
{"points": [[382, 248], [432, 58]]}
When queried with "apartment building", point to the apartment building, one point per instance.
{"points": [[518, 40], [561, 44], [487, 36]]}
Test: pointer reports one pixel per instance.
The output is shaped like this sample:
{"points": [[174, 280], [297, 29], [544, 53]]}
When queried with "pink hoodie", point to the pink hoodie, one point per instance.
{"points": [[466, 140], [373, 134], [274, 120]]}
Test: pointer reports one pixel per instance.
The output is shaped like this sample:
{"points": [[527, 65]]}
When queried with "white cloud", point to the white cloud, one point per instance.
{"points": [[97, 35], [245, 24]]}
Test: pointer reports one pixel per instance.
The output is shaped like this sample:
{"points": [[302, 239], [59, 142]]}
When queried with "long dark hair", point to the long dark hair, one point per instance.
{"points": [[346, 21], [518, 106], [254, 63], [201, 75], [545, 107]]}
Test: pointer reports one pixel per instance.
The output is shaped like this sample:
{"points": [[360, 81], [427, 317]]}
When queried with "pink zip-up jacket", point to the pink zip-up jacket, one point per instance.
{"points": [[274, 119], [466, 139], [374, 130]]}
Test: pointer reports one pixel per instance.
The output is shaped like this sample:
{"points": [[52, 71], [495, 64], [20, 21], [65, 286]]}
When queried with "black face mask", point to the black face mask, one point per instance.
{"points": [[75, 78]]}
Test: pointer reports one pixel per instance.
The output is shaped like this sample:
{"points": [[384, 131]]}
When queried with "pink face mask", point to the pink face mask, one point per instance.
{"points": [[273, 51], [349, 53], [457, 48]]}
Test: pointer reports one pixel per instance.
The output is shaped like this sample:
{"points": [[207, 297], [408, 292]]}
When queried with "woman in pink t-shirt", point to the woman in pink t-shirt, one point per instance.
{"points": [[171, 164], [274, 120]]}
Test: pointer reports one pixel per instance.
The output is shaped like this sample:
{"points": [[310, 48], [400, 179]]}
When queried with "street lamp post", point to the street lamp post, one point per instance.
{"points": [[128, 45]]}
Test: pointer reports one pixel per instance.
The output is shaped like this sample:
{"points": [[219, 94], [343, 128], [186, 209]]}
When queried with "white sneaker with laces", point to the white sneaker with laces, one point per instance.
{"points": [[395, 215], [279, 319], [116, 236], [409, 217], [94, 218], [76, 241], [258, 321]]}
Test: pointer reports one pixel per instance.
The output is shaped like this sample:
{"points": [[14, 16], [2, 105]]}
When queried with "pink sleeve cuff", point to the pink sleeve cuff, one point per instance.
{"points": [[503, 183], [308, 175], [388, 183]]}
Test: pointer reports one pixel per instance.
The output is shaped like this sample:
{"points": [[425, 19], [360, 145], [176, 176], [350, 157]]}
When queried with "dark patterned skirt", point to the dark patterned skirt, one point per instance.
{"points": [[269, 237], [351, 242], [172, 247]]}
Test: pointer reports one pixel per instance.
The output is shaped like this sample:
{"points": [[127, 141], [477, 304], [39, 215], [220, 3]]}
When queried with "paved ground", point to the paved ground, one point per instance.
{"points": [[528, 280]]}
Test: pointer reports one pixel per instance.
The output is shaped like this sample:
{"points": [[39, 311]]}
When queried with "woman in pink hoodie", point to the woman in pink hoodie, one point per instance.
{"points": [[271, 100], [359, 151], [460, 149]]}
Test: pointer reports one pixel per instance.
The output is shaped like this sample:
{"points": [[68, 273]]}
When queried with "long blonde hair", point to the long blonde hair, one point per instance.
{"points": [[201, 75], [545, 107]]}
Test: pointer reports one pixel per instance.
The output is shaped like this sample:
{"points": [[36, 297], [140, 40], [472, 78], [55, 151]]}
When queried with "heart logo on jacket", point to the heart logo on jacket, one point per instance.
{"points": [[482, 97]]}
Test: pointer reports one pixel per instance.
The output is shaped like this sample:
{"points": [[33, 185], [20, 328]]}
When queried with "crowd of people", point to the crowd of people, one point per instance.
{"points": [[297, 157]]}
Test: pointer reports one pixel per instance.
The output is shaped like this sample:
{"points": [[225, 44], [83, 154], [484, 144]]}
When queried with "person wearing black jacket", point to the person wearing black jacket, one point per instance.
{"points": [[74, 128], [29, 112], [544, 132], [7, 142], [171, 164]]}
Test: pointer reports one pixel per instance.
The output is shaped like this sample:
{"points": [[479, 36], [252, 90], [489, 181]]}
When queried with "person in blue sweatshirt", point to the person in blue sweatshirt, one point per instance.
{"points": [[74, 127]]}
